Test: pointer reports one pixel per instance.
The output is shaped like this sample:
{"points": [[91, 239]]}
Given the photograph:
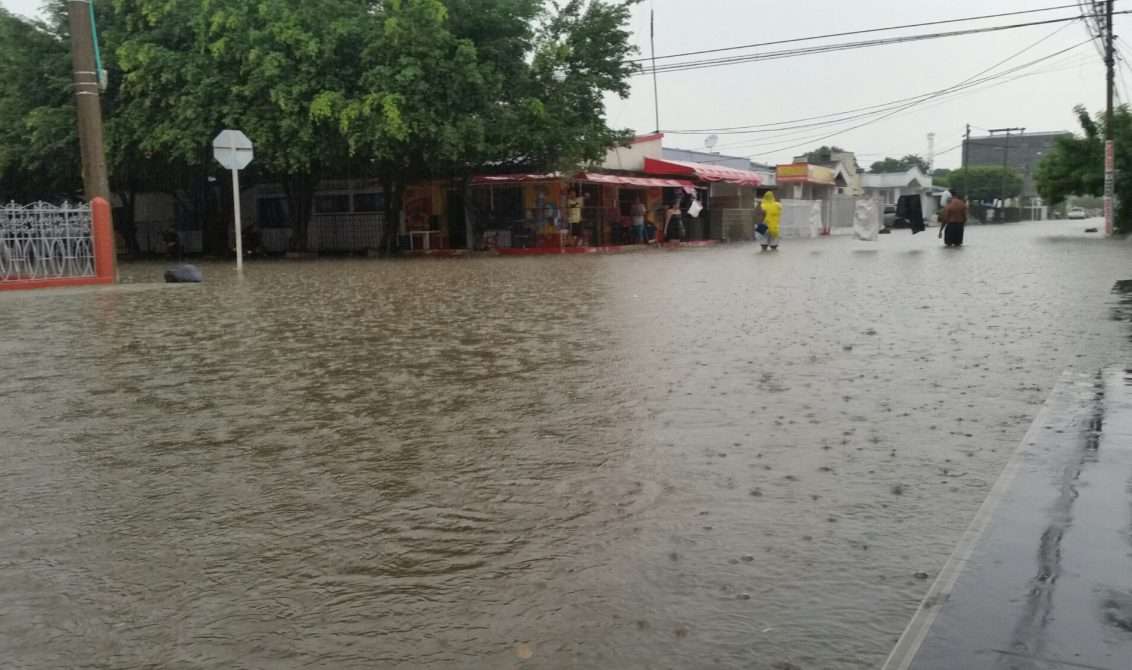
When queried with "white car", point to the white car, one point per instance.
{"points": [[1077, 213]]}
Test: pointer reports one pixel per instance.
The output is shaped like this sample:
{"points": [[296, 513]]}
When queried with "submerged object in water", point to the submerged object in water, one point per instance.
{"points": [[184, 274]]}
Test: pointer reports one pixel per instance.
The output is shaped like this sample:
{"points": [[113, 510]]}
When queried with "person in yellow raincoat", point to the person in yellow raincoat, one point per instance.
{"points": [[773, 212]]}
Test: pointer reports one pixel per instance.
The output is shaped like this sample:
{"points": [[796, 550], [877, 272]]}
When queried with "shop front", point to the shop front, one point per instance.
{"points": [[726, 189], [583, 213]]}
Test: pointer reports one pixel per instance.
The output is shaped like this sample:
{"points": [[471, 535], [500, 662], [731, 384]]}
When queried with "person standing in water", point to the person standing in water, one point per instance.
{"points": [[638, 211], [772, 210], [953, 221]]}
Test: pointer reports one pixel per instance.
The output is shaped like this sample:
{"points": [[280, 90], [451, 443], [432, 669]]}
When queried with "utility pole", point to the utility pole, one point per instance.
{"points": [[966, 178], [88, 110], [1005, 163], [931, 152], [655, 87], [1109, 130]]}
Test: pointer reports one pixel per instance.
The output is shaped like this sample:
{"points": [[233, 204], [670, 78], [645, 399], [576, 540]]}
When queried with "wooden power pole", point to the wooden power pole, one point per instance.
{"points": [[88, 109]]}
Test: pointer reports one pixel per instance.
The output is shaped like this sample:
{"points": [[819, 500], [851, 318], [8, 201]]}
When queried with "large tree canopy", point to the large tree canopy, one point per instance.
{"points": [[1075, 166], [396, 89]]}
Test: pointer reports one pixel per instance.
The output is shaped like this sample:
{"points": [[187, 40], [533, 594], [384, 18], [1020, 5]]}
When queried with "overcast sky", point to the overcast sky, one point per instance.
{"points": [[807, 86]]}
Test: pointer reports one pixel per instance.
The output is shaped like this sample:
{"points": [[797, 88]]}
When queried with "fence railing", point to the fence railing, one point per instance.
{"points": [[45, 242]]}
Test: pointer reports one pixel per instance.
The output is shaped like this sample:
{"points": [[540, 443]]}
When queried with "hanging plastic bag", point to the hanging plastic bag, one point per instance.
{"points": [[866, 223], [695, 209]]}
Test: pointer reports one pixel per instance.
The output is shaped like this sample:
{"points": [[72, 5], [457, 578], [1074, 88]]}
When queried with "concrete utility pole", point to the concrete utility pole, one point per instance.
{"points": [[931, 152], [1005, 162], [966, 179], [1109, 130], [88, 109]]}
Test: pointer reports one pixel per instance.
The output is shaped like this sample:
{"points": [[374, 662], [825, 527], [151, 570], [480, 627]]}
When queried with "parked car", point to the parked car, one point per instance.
{"points": [[1077, 213], [889, 216]]}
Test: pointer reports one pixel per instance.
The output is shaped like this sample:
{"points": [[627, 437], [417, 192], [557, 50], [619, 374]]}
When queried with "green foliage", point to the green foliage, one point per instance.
{"points": [[823, 154], [39, 152], [941, 177], [900, 164], [1075, 166], [398, 89], [980, 183]]}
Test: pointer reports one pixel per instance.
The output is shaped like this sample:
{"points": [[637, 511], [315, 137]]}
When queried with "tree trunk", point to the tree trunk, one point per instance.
{"points": [[471, 231], [393, 190], [128, 222], [300, 205]]}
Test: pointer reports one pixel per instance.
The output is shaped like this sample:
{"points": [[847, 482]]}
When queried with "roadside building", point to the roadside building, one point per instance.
{"points": [[1023, 152], [890, 188]]}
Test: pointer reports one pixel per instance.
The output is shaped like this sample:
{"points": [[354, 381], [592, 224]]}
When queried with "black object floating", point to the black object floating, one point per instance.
{"points": [[184, 274]]}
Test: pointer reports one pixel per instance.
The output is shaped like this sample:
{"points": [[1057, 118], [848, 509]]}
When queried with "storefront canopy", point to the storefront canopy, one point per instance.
{"points": [[486, 180], [592, 177], [703, 171], [641, 182]]}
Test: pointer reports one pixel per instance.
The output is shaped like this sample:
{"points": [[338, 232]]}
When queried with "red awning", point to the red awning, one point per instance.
{"points": [[643, 182], [703, 171], [514, 178], [592, 177]]}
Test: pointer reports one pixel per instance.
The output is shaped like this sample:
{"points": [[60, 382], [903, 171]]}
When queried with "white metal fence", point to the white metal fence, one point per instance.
{"points": [[44, 241]]}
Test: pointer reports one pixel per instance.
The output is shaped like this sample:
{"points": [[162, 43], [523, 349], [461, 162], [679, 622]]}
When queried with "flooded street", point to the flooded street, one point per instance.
{"points": [[700, 459]]}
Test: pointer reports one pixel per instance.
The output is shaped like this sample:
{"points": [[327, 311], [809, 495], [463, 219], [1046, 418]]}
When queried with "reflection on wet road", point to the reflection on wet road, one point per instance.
{"points": [[710, 459]]}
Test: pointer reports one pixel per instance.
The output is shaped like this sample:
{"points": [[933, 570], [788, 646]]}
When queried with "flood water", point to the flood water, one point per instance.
{"points": [[698, 459]]}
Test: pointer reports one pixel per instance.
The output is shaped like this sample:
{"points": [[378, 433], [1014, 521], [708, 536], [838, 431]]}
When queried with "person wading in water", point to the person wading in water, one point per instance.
{"points": [[953, 221]]}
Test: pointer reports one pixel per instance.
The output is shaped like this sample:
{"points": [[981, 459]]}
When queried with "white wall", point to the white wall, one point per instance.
{"points": [[633, 156]]}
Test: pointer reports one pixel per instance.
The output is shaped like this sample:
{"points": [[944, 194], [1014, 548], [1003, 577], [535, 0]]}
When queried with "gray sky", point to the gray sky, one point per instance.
{"points": [[808, 86]]}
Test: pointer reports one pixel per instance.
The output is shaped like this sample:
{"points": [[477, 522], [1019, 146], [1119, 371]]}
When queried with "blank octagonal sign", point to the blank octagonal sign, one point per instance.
{"points": [[233, 149]]}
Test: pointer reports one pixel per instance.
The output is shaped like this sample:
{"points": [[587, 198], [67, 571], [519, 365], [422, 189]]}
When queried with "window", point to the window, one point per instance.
{"points": [[369, 202], [331, 204]]}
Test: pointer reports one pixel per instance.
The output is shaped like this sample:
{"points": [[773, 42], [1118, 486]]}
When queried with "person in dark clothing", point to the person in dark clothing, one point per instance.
{"points": [[953, 221], [911, 210]]}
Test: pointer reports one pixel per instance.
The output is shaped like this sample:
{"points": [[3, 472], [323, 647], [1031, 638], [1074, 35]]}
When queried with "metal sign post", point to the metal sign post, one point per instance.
{"points": [[234, 151]]}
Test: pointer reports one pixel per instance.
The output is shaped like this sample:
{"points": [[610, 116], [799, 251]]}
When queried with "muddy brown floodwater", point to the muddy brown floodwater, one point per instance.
{"points": [[699, 459]]}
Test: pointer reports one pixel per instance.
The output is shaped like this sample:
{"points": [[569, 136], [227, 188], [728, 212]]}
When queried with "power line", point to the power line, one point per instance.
{"points": [[765, 142], [784, 125], [965, 85], [902, 109], [864, 32], [776, 55]]}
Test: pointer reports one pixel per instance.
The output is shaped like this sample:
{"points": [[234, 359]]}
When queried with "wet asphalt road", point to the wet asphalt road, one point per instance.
{"points": [[712, 459]]}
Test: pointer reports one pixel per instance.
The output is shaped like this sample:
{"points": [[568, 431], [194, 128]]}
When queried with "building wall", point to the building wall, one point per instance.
{"points": [[633, 156], [689, 156], [1023, 153]]}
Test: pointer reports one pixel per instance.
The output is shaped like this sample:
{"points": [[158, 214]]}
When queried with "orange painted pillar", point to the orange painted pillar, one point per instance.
{"points": [[102, 233]]}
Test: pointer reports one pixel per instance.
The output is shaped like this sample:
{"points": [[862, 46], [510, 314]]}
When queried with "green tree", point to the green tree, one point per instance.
{"points": [[904, 164], [39, 151], [1075, 166], [451, 88], [823, 154], [978, 183], [192, 68], [941, 177]]}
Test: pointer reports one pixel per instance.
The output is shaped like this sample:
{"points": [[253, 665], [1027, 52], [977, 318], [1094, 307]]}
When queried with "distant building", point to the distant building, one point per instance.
{"points": [[846, 170], [1023, 152], [891, 186]]}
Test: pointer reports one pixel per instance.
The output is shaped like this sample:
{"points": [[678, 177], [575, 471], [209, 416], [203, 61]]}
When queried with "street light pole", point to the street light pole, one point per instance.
{"points": [[1109, 129], [88, 110]]}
